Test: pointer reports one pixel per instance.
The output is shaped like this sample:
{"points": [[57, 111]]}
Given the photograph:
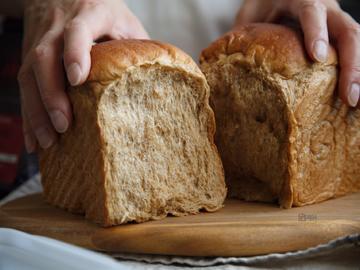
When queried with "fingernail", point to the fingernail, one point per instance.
{"points": [[44, 137], [354, 93], [59, 121], [321, 50], [29, 144], [74, 74]]}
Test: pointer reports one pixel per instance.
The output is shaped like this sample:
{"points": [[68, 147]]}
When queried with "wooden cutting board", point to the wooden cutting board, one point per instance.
{"points": [[239, 229]]}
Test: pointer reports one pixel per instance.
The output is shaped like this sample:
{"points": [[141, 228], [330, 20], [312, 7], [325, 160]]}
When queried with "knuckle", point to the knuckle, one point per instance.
{"points": [[47, 98], [319, 31], [353, 29], [351, 69], [74, 24], [355, 69], [50, 35], [317, 5], [93, 4], [40, 52]]}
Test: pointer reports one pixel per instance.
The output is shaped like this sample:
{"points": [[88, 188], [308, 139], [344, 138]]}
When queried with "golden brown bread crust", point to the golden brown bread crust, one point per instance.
{"points": [[322, 134], [109, 59], [77, 155], [76, 174], [275, 48]]}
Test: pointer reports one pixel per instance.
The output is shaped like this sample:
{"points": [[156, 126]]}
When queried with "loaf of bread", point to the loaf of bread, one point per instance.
{"points": [[282, 132], [141, 144]]}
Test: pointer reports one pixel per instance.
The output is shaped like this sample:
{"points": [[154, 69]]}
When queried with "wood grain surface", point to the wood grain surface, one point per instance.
{"points": [[239, 229]]}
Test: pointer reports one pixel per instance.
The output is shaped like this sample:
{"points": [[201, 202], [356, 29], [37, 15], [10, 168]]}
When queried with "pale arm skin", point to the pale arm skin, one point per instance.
{"points": [[320, 21]]}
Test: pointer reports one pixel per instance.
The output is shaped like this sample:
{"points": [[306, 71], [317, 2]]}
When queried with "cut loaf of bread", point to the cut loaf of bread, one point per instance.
{"points": [[282, 132], [141, 144]]}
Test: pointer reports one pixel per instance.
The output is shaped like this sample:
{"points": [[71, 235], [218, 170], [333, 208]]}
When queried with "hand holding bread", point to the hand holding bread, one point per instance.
{"points": [[60, 34], [142, 142], [56, 29], [282, 132], [141, 145], [137, 140], [321, 21]]}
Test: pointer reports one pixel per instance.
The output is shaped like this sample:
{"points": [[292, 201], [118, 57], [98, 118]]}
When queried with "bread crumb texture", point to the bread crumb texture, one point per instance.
{"points": [[282, 132], [141, 144]]}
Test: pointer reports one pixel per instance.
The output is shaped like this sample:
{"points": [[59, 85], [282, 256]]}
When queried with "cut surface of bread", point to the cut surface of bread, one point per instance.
{"points": [[141, 144], [282, 132]]}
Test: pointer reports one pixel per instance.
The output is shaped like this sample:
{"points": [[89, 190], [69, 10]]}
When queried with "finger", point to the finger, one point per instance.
{"points": [[29, 137], [133, 29], [253, 11], [33, 107], [346, 33], [49, 75], [272, 16], [137, 31], [88, 25], [312, 15]]}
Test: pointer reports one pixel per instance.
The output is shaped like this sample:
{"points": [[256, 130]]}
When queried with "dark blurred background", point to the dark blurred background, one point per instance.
{"points": [[15, 165]]}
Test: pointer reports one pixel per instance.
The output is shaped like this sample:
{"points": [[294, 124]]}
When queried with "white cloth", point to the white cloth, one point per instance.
{"points": [[31, 186], [188, 24]]}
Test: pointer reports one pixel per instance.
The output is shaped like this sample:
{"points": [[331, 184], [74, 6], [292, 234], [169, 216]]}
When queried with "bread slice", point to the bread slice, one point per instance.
{"points": [[141, 144], [282, 132]]}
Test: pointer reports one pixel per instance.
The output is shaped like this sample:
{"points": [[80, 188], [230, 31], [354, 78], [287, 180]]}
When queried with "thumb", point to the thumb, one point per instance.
{"points": [[89, 25]]}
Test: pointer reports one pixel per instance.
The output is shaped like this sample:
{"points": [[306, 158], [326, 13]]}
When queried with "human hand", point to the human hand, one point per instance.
{"points": [[319, 19], [59, 34]]}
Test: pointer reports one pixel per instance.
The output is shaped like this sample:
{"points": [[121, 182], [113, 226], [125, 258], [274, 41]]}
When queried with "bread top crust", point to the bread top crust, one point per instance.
{"points": [[276, 48], [109, 59]]}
